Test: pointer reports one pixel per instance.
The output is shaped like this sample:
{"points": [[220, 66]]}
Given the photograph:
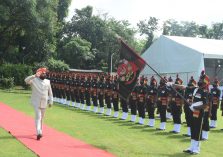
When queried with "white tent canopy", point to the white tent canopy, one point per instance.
{"points": [[171, 55]]}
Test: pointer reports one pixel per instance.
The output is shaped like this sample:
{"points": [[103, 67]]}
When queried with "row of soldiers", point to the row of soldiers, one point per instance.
{"points": [[82, 90]]}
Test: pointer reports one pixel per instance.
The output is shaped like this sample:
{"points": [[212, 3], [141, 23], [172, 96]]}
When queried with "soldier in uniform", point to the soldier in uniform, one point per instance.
{"points": [[101, 87], [108, 93], [67, 89], [189, 97], [133, 103], [162, 103], [82, 92], [215, 99], [171, 94], [115, 97], [199, 102], [88, 93], [141, 99], [72, 90], [94, 95], [151, 100], [77, 93], [176, 106]]}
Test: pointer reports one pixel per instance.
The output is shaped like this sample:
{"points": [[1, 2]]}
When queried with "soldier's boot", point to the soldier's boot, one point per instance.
{"points": [[126, 115], [188, 131], [68, 103], [95, 110], [101, 110], [108, 113], [196, 147], [88, 108], [214, 123], [61, 101], [123, 115], [162, 125], [190, 149], [204, 135], [151, 122], [178, 128], [133, 118], [83, 107], [116, 114], [142, 121], [72, 104]]}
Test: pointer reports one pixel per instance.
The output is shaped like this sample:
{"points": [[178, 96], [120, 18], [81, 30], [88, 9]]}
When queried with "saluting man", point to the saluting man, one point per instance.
{"points": [[41, 96]]}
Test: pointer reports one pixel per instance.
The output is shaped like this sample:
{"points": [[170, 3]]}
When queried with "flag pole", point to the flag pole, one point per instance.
{"points": [[181, 96]]}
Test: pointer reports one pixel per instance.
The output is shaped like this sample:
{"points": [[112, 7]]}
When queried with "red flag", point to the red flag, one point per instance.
{"points": [[129, 68]]}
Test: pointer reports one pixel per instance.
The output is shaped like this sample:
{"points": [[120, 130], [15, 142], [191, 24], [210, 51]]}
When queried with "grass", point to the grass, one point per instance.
{"points": [[121, 138]]}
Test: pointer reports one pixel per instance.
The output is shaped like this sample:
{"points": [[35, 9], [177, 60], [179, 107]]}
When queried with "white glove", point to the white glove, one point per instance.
{"points": [[199, 103], [169, 84]]}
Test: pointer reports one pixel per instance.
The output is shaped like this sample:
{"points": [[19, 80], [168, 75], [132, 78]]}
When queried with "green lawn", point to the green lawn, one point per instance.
{"points": [[121, 138]]}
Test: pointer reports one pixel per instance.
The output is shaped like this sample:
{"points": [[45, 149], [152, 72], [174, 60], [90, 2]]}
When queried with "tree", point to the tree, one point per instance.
{"points": [[148, 28]]}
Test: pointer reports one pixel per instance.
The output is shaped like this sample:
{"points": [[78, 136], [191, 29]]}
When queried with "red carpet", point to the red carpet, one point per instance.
{"points": [[53, 143]]}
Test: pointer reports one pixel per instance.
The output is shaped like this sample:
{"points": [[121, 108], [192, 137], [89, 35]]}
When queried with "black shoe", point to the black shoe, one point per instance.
{"points": [[38, 137], [158, 129], [212, 127], [186, 135], [187, 151], [204, 139], [193, 153]]}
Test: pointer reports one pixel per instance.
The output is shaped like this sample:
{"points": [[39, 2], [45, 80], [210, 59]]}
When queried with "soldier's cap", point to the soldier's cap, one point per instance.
{"points": [[192, 82], [42, 70], [216, 82], [170, 79]]}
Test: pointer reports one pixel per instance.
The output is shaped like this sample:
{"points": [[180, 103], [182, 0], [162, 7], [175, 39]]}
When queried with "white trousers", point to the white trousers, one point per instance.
{"points": [[39, 115]]}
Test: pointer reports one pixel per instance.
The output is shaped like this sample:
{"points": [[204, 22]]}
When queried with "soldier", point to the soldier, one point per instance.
{"points": [[94, 95], [72, 89], [67, 88], [108, 93], [162, 103], [64, 78], [171, 93], [215, 99], [199, 102], [101, 87], [133, 103], [189, 97], [141, 99], [88, 93], [115, 97], [176, 106], [82, 92], [151, 100], [77, 93]]}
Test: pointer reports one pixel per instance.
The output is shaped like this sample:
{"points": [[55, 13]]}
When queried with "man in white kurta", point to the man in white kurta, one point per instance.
{"points": [[41, 97]]}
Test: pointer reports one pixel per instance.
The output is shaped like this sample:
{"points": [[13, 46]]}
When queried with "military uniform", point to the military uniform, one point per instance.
{"points": [[77, 90], [141, 100], [94, 95], [88, 93], [67, 89], [189, 97], [101, 87], [215, 99], [108, 94], [115, 97], [176, 107], [162, 103], [133, 103], [82, 92], [151, 100], [200, 97]]}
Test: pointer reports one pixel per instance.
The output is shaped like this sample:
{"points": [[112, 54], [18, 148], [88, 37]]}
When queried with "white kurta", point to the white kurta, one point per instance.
{"points": [[41, 91]]}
